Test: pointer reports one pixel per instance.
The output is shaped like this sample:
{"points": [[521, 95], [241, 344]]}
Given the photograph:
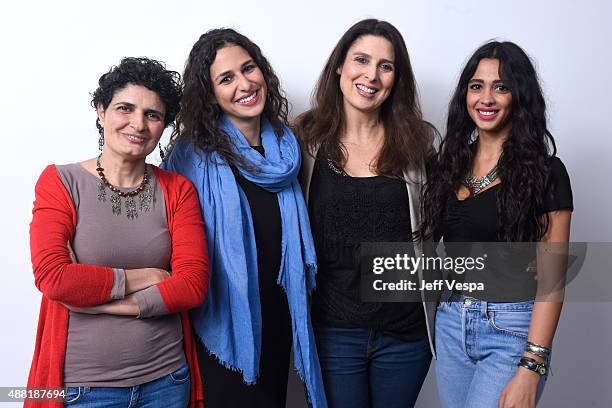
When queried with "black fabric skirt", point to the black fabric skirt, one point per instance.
{"points": [[224, 388]]}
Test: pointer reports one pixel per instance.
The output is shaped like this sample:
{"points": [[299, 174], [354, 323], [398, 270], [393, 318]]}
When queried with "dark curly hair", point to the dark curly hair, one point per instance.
{"points": [[523, 165], [408, 138], [198, 120], [147, 72]]}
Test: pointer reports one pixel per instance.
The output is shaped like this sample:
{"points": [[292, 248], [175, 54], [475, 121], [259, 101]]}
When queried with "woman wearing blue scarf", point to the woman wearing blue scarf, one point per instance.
{"points": [[232, 142]]}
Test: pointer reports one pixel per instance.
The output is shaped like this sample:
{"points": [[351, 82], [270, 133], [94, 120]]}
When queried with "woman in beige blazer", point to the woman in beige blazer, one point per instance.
{"points": [[365, 144]]}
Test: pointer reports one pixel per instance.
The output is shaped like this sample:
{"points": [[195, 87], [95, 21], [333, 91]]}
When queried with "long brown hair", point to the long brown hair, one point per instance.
{"points": [[408, 138]]}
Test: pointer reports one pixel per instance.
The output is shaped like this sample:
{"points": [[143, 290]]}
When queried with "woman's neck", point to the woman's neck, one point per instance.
{"points": [[363, 137], [488, 151], [362, 128], [490, 146], [121, 172], [250, 128]]}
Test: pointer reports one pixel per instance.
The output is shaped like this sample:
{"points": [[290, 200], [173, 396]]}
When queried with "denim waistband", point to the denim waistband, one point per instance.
{"points": [[477, 304]]}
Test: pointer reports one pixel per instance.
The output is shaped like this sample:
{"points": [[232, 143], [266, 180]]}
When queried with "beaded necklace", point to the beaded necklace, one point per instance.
{"points": [[144, 192]]}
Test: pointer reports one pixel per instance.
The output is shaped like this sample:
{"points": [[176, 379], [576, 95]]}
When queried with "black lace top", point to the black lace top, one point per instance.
{"points": [[345, 211]]}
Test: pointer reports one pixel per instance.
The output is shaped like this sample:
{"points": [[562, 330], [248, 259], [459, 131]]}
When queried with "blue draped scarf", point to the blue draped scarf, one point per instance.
{"points": [[229, 321]]}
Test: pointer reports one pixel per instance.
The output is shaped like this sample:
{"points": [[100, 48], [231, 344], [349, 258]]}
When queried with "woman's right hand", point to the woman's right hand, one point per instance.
{"points": [[142, 278]]}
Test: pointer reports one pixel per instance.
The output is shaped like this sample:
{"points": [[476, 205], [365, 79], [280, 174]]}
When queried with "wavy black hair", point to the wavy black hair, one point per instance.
{"points": [[523, 164], [143, 71], [198, 120]]}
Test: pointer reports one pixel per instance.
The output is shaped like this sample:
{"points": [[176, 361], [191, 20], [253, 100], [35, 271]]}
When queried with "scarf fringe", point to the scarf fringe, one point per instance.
{"points": [[226, 364], [298, 370], [310, 270]]}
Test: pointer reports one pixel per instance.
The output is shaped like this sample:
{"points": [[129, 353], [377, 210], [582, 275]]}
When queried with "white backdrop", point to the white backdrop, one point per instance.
{"points": [[54, 51]]}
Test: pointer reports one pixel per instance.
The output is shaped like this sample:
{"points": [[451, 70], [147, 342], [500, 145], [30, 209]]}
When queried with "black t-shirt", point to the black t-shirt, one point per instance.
{"points": [[344, 212], [265, 212], [475, 220]]}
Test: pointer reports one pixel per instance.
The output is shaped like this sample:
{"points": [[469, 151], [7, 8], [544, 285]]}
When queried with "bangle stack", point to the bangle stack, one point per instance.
{"points": [[538, 350], [541, 368]]}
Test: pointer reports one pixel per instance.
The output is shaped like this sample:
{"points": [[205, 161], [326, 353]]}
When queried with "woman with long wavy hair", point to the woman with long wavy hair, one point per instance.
{"points": [[497, 179], [232, 141], [365, 145]]}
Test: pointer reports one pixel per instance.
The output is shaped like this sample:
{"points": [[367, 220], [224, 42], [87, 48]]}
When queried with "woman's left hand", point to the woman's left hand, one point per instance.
{"points": [[128, 306], [520, 392]]}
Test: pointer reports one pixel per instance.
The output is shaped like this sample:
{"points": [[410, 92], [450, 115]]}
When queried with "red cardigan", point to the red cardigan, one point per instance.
{"points": [[60, 281]]}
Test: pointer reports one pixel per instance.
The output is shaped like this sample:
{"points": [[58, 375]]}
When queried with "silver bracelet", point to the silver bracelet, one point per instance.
{"points": [[537, 350]]}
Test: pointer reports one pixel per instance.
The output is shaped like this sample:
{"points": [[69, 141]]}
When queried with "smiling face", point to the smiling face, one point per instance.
{"points": [[133, 122], [489, 99], [238, 85], [367, 73]]}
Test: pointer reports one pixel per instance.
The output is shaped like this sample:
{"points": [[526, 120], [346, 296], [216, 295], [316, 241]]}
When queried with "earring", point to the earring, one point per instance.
{"points": [[100, 127], [161, 152]]}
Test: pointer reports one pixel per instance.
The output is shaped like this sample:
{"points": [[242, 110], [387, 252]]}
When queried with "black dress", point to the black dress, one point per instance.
{"points": [[224, 388]]}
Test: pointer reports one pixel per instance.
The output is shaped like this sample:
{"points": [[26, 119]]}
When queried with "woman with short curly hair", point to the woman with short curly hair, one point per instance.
{"points": [[105, 234]]}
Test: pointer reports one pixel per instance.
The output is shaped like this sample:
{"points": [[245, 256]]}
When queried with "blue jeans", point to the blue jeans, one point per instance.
{"points": [[478, 347], [169, 391], [365, 368]]}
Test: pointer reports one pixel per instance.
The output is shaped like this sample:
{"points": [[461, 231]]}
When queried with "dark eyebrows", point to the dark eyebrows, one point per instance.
{"points": [[129, 105], [229, 71], [222, 75], [480, 81], [363, 54], [250, 61], [132, 106], [155, 111]]}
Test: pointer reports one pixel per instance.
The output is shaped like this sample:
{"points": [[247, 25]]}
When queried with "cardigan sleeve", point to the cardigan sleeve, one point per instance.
{"points": [[52, 228], [187, 286]]}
